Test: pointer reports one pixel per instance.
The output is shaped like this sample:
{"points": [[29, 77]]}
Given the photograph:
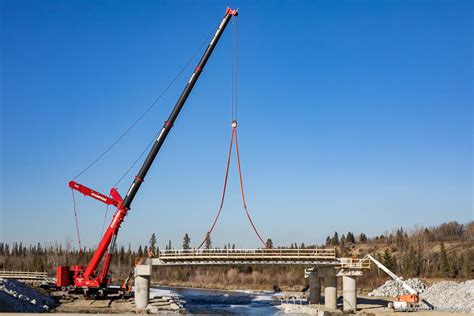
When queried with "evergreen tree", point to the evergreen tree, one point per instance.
{"points": [[350, 238], [140, 251], [186, 242], [130, 258], [388, 260], [233, 246], [169, 244], [343, 240], [335, 239], [269, 244], [362, 238], [400, 239], [328, 241], [152, 245]]}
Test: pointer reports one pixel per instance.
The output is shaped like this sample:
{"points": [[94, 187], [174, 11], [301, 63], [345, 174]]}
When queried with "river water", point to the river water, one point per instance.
{"points": [[198, 301]]}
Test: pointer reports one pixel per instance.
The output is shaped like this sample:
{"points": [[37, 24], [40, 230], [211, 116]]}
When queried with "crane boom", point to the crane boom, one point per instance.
{"points": [[88, 278], [177, 108]]}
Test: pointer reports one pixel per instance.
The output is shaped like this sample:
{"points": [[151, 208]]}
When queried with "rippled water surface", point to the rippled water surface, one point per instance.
{"points": [[222, 302]]}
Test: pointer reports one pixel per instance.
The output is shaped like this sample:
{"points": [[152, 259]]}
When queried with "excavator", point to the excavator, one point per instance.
{"points": [[87, 279]]}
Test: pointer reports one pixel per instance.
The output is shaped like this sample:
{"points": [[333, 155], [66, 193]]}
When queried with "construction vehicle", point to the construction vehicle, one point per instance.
{"points": [[87, 279], [405, 301]]}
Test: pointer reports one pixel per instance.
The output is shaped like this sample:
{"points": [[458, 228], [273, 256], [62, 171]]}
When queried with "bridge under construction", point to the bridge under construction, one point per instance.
{"points": [[322, 266], [306, 258]]}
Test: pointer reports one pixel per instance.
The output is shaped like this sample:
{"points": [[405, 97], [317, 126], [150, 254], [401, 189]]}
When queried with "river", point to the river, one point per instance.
{"points": [[197, 301]]}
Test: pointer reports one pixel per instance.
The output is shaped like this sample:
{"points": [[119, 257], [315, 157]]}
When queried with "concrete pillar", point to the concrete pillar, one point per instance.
{"points": [[314, 288], [142, 285], [349, 293], [330, 292], [330, 287]]}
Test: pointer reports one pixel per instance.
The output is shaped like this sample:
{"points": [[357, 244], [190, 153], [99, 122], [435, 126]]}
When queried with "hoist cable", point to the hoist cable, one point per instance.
{"points": [[236, 63], [93, 162], [233, 70], [234, 67]]}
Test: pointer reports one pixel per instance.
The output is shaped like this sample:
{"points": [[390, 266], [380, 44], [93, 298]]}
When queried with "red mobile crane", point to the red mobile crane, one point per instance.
{"points": [[87, 279]]}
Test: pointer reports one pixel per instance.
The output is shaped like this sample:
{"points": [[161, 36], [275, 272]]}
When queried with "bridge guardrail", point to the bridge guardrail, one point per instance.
{"points": [[354, 263], [31, 275], [247, 254]]}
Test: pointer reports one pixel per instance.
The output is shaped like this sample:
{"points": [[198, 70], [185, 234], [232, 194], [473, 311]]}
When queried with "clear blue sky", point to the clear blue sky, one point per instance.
{"points": [[353, 115]]}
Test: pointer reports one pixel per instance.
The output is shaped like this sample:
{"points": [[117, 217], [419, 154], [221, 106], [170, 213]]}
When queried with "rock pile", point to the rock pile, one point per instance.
{"points": [[21, 298], [449, 296], [442, 296], [393, 288]]}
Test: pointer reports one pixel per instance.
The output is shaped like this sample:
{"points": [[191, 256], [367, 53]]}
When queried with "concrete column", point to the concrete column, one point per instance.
{"points": [[330, 287], [314, 288], [349, 293], [142, 285], [330, 292]]}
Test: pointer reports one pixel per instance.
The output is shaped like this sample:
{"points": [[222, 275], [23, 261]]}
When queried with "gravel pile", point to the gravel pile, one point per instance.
{"points": [[449, 296], [21, 298], [392, 288]]}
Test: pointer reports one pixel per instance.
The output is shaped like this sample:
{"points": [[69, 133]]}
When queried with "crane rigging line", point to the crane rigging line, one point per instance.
{"points": [[77, 223], [93, 162], [233, 136], [243, 191], [136, 161], [208, 234], [147, 110]]}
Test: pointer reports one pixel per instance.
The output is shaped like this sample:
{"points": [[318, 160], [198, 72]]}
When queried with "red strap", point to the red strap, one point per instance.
{"points": [[208, 234], [242, 190]]}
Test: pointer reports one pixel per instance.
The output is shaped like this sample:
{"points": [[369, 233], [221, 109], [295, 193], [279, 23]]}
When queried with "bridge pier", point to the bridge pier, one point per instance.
{"points": [[314, 288], [349, 293], [330, 287], [349, 288], [142, 285]]}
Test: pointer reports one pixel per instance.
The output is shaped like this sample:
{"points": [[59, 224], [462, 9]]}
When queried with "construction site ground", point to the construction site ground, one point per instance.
{"points": [[366, 305]]}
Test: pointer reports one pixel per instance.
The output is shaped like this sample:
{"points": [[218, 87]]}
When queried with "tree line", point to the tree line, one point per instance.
{"points": [[444, 250]]}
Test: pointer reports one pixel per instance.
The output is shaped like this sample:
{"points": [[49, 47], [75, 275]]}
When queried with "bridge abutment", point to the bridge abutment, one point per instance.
{"points": [[349, 288]]}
